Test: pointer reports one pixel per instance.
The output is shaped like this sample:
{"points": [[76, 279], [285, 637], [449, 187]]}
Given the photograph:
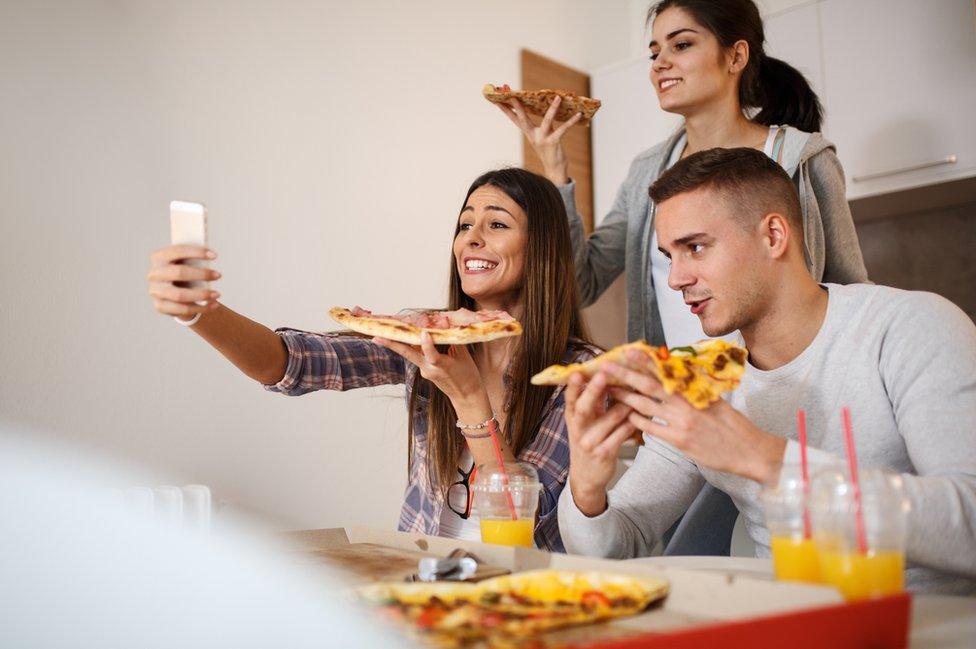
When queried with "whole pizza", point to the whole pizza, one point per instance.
{"points": [[513, 607], [460, 327], [537, 101]]}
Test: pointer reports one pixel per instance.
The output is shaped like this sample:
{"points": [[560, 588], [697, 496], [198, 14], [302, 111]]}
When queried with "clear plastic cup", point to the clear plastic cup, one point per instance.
{"points": [[506, 498], [877, 569], [785, 504]]}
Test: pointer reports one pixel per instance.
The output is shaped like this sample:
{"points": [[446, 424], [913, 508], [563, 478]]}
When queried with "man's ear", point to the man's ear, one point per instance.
{"points": [[776, 234]]}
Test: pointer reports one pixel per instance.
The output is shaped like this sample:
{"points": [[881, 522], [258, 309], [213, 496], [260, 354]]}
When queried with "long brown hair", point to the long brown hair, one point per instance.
{"points": [[551, 322]]}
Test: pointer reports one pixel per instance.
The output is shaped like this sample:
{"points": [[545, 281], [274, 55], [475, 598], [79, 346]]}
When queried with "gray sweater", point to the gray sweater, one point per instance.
{"points": [[622, 241], [905, 363]]}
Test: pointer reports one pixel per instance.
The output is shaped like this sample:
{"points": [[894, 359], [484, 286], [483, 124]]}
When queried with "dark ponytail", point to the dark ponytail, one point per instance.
{"points": [[784, 97], [780, 92]]}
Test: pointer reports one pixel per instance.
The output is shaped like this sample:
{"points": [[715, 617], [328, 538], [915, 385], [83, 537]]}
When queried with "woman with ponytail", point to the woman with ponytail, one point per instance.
{"points": [[707, 65]]}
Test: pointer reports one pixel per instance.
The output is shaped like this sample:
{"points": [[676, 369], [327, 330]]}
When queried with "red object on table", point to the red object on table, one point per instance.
{"points": [[876, 623]]}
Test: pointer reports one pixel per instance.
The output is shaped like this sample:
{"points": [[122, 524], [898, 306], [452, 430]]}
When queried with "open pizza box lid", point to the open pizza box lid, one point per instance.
{"points": [[699, 601]]}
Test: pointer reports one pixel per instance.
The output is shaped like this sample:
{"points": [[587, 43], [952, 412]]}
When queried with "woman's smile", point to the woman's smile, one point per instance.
{"points": [[479, 265]]}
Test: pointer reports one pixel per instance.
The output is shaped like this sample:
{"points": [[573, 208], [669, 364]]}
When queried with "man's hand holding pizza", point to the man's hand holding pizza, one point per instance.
{"points": [[596, 433], [717, 437]]}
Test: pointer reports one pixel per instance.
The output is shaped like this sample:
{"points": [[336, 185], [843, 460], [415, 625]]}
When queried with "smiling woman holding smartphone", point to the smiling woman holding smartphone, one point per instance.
{"points": [[707, 65], [511, 252]]}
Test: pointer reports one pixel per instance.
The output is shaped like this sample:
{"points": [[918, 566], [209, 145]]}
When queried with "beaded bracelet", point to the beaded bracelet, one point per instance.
{"points": [[487, 423]]}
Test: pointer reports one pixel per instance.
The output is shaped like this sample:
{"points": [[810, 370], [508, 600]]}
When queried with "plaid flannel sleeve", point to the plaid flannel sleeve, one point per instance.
{"points": [[549, 454], [335, 362]]}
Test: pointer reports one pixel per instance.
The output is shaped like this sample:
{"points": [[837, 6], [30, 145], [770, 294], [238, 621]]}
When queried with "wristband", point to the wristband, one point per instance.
{"points": [[191, 321]]}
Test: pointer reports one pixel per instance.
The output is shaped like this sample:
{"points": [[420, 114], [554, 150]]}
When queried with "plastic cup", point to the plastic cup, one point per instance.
{"points": [[785, 505], [877, 569], [506, 498]]}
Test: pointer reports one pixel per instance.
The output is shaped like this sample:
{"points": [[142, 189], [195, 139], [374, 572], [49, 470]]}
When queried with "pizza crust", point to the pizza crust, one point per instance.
{"points": [[559, 374], [537, 102], [476, 332]]}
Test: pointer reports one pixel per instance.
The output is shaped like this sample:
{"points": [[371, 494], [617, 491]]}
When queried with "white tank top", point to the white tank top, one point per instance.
{"points": [[681, 326]]}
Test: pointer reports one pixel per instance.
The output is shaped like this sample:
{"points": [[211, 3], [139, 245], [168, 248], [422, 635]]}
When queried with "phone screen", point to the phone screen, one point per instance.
{"points": [[188, 226]]}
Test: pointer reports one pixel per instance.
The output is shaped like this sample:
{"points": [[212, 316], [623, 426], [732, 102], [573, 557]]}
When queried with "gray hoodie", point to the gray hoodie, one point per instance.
{"points": [[622, 241]]}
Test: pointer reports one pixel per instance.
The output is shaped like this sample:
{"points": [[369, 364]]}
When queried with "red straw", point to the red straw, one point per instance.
{"points": [[862, 541], [801, 422], [493, 432]]}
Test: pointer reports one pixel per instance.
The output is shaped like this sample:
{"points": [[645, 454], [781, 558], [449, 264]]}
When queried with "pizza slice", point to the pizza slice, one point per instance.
{"points": [[460, 327], [699, 372], [537, 101]]}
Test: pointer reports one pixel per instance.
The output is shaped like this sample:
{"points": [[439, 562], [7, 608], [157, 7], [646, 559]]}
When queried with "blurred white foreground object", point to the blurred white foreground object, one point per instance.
{"points": [[196, 507], [140, 501], [81, 570], [190, 506], [168, 504]]}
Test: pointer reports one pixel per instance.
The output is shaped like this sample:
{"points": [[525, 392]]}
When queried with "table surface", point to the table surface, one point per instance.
{"points": [[938, 621]]}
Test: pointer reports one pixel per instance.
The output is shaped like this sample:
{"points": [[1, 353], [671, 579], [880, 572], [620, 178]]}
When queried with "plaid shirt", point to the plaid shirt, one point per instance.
{"points": [[341, 362]]}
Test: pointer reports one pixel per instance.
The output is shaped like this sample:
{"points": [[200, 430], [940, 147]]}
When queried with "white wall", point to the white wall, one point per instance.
{"points": [[332, 143]]}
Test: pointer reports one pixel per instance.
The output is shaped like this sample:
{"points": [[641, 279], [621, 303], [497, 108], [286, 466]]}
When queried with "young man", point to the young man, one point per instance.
{"points": [[904, 362]]}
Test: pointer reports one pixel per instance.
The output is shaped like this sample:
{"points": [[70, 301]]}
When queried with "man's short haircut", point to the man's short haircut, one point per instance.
{"points": [[751, 184]]}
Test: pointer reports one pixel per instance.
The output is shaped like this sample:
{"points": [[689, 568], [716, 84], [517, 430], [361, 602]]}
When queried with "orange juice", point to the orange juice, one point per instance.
{"points": [[795, 559], [860, 576], [503, 531]]}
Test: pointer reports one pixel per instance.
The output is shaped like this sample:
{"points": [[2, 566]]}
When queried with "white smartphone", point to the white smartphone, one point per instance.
{"points": [[188, 226]]}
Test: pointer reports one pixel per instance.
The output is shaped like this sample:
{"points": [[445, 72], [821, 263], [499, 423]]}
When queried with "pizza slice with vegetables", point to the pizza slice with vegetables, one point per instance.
{"points": [[700, 373]]}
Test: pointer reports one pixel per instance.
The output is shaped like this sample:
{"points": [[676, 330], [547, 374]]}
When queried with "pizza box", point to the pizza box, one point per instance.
{"points": [[703, 608]]}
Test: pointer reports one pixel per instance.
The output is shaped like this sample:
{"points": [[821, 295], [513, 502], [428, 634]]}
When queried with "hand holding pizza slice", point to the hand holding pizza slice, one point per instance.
{"points": [[716, 437], [537, 102], [545, 137], [413, 335]]}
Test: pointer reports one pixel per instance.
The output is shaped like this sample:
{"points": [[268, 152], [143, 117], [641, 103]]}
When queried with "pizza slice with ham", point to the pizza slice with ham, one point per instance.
{"points": [[537, 101], [460, 327]]}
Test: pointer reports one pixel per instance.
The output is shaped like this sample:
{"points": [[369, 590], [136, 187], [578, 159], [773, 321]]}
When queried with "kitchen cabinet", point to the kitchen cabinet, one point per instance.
{"points": [[899, 89]]}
